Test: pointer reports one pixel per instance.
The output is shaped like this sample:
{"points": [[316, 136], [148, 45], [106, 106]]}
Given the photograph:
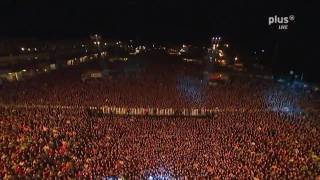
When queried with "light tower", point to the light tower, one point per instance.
{"points": [[213, 54], [215, 41], [96, 39]]}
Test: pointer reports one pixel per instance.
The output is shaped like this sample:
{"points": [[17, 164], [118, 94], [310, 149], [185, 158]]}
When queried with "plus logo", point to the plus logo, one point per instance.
{"points": [[282, 22]]}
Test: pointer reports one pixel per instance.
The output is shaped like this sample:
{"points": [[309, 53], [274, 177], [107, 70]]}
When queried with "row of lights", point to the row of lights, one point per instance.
{"points": [[28, 49], [216, 38]]}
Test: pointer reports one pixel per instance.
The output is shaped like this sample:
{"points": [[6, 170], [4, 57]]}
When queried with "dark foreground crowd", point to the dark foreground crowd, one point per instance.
{"points": [[50, 142]]}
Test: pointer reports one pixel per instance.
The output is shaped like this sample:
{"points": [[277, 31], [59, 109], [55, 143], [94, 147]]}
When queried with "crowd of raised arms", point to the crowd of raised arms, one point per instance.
{"points": [[51, 142]]}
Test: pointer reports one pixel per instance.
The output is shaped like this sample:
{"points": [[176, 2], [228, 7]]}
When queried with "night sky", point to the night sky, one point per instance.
{"points": [[243, 23]]}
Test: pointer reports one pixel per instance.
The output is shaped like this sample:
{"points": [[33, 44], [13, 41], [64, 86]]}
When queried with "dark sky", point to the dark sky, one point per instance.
{"points": [[244, 23], [155, 19]]}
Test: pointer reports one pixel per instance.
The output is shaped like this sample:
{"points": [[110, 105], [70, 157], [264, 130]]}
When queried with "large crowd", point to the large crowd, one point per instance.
{"points": [[52, 142]]}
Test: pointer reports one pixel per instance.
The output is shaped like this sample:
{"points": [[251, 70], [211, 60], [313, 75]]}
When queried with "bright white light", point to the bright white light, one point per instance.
{"points": [[94, 43], [236, 58], [35, 49], [286, 109], [23, 49], [29, 49], [291, 72]]}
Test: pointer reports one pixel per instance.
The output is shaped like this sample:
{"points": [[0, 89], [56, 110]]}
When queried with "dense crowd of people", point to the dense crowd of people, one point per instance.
{"points": [[52, 142]]}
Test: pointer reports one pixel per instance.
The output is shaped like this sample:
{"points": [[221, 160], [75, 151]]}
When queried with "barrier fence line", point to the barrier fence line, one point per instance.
{"points": [[41, 106], [107, 110]]}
